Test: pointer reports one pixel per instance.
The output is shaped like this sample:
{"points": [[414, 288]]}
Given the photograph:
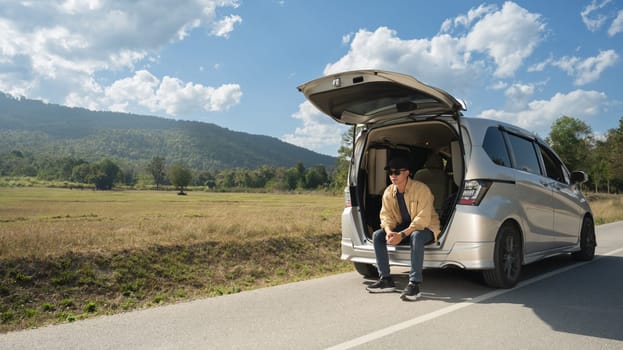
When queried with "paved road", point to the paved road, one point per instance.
{"points": [[560, 304]]}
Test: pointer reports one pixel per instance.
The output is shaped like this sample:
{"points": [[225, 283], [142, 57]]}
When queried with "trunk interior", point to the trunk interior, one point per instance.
{"points": [[434, 154]]}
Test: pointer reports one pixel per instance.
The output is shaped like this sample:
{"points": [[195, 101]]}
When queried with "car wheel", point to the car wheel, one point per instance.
{"points": [[587, 241], [506, 258], [366, 270]]}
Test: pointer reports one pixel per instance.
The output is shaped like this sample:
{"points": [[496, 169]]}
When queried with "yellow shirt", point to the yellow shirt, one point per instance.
{"points": [[419, 200]]}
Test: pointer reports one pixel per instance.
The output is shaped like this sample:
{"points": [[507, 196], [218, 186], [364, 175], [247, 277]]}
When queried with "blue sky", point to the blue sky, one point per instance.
{"points": [[236, 63]]}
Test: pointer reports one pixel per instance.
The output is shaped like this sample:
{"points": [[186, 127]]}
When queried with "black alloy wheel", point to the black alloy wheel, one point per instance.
{"points": [[587, 241], [507, 259]]}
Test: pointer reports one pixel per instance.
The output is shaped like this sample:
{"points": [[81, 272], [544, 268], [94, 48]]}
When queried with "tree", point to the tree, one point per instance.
{"points": [[180, 177], [225, 179], [340, 173], [316, 177], [572, 139], [614, 141], [204, 178], [601, 169], [129, 176], [292, 178], [156, 169], [104, 174], [80, 173]]}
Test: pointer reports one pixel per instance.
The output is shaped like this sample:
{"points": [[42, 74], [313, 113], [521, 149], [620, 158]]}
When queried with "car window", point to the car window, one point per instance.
{"points": [[553, 167], [495, 147], [524, 154]]}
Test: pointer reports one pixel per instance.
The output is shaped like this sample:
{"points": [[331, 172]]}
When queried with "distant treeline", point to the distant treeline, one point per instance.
{"points": [[107, 174], [600, 156]]}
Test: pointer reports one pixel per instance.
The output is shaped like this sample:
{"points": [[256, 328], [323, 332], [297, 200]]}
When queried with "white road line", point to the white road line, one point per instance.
{"points": [[430, 316]]}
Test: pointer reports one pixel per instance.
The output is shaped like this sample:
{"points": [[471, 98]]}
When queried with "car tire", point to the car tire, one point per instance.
{"points": [[507, 259], [366, 270], [587, 241]]}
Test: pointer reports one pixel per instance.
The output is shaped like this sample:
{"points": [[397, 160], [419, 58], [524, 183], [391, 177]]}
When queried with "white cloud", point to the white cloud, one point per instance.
{"points": [[225, 26], [467, 20], [319, 132], [587, 70], [594, 21], [61, 44], [439, 61], [169, 95], [12, 84], [539, 67], [138, 89], [499, 85], [617, 25], [538, 115], [80, 6], [518, 96], [223, 97], [508, 36], [346, 38]]}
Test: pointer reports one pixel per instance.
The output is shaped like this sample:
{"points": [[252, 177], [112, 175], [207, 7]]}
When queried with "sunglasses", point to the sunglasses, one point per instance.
{"points": [[395, 172]]}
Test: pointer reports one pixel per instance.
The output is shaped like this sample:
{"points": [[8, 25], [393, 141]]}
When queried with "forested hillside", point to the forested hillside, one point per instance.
{"points": [[53, 131]]}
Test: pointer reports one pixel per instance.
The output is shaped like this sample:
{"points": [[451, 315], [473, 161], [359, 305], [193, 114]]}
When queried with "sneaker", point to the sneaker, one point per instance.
{"points": [[412, 292], [383, 285]]}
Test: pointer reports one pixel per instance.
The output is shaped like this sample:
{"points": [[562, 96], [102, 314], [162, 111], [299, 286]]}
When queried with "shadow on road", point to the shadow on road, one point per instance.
{"points": [[586, 300]]}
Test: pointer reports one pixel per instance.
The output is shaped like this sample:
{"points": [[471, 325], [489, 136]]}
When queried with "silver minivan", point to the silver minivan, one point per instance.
{"points": [[505, 199]]}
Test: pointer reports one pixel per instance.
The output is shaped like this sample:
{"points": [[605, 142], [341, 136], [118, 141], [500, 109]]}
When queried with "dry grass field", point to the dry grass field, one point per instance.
{"points": [[50, 222], [606, 207], [72, 254]]}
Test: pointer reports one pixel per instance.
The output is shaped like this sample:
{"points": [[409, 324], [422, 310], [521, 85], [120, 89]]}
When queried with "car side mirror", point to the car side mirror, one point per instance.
{"points": [[578, 177]]}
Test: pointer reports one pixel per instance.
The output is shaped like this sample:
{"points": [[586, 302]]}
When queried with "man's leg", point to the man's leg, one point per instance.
{"points": [[385, 284], [380, 250], [418, 240]]}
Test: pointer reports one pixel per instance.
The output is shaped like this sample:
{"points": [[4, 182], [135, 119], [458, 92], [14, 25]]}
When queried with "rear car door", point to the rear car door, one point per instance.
{"points": [[534, 194]]}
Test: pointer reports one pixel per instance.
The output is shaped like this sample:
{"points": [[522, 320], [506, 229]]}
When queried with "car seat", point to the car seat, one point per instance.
{"points": [[436, 178]]}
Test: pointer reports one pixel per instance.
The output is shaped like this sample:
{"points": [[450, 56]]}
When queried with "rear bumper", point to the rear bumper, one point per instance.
{"points": [[465, 255]]}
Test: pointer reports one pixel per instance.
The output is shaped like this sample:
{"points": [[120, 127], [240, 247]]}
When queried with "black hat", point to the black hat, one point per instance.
{"points": [[397, 163]]}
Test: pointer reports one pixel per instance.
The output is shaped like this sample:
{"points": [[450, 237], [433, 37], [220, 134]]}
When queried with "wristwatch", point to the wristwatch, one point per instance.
{"points": [[402, 235]]}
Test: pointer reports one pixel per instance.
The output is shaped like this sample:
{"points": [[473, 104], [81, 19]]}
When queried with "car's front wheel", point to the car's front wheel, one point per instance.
{"points": [[587, 241], [366, 270], [506, 258]]}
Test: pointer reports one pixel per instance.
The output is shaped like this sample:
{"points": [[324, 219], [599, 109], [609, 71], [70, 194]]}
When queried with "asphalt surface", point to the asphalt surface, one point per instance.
{"points": [[560, 303]]}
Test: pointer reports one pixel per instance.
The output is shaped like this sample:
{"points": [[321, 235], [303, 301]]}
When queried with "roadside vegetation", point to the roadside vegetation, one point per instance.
{"points": [[606, 207]]}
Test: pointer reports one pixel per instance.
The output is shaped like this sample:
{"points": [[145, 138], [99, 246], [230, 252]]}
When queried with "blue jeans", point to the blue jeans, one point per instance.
{"points": [[417, 240]]}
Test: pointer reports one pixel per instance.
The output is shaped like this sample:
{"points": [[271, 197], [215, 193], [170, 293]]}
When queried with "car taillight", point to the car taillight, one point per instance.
{"points": [[347, 202], [474, 191]]}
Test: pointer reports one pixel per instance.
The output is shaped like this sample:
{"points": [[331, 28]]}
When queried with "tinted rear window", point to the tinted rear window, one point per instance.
{"points": [[524, 154], [495, 147], [372, 99]]}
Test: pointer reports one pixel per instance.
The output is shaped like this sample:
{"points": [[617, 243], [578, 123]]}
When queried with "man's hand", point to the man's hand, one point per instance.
{"points": [[393, 238]]}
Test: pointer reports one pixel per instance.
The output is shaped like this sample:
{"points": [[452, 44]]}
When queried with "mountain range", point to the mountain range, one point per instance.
{"points": [[51, 130]]}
